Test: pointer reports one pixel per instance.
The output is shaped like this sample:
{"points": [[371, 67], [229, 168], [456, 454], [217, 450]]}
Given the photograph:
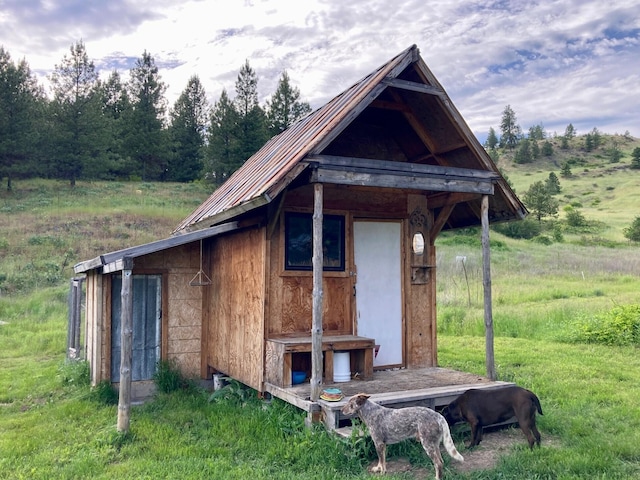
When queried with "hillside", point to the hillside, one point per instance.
{"points": [[606, 193], [46, 226]]}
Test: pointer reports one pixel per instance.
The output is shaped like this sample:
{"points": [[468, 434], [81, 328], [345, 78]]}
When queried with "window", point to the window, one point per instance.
{"points": [[299, 242]]}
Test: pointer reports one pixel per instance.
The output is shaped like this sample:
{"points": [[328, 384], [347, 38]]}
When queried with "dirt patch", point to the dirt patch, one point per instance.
{"points": [[483, 457]]}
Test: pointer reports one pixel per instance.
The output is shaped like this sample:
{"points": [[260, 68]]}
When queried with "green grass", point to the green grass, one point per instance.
{"points": [[53, 426]]}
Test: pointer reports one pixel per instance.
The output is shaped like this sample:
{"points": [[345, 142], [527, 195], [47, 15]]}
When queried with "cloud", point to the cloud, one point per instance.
{"points": [[557, 61]]}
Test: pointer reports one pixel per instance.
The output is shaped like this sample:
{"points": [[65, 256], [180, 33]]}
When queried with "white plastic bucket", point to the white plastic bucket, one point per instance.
{"points": [[341, 367]]}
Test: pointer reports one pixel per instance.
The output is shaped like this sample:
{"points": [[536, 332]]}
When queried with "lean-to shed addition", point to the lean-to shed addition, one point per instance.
{"points": [[373, 177]]}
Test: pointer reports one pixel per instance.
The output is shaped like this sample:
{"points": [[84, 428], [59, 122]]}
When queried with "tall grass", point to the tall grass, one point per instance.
{"points": [[54, 426]]}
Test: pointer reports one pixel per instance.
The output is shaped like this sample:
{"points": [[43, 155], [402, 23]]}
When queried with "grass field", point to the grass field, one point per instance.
{"points": [[564, 316]]}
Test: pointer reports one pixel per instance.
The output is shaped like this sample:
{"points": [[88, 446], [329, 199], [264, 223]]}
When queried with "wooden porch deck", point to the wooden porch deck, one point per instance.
{"points": [[432, 387]]}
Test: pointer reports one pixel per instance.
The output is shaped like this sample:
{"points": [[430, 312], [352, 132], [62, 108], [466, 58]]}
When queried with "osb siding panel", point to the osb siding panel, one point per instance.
{"points": [[236, 325], [184, 322], [292, 302], [181, 257]]}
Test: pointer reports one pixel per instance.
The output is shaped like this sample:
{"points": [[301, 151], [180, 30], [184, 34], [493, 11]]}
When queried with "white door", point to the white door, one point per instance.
{"points": [[378, 287]]}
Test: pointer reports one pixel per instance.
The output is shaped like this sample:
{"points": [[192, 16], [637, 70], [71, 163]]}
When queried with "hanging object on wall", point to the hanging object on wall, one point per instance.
{"points": [[200, 279]]}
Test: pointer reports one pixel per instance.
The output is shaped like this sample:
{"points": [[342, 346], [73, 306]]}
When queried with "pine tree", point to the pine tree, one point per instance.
{"points": [[570, 132], [492, 139], [614, 152], [284, 108], [635, 158], [146, 140], [222, 157], [79, 135], [511, 131], [187, 131], [540, 202], [20, 97], [115, 107], [588, 142], [523, 154], [252, 125], [547, 148], [553, 184]]}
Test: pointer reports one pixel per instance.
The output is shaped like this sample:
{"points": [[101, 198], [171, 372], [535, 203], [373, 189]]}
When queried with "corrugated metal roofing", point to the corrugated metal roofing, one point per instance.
{"points": [[270, 170], [262, 175]]}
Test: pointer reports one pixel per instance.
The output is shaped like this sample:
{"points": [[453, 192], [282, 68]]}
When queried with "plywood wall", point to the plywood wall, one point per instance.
{"points": [[235, 303]]}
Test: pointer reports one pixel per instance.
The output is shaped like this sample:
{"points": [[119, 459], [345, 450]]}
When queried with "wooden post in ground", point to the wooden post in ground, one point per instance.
{"points": [[486, 282], [126, 339], [316, 319]]}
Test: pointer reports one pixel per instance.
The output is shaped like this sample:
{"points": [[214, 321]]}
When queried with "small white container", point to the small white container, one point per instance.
{"points": [[341, 367]]}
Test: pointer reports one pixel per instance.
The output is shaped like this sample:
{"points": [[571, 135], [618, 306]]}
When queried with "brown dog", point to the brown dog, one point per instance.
{"points": [[392, 425], [486, 407]]}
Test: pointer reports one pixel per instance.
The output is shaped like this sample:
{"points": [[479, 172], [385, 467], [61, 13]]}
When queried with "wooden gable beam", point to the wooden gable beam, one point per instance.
{"points": [[413, 86], [386, 174], [440, 221]]}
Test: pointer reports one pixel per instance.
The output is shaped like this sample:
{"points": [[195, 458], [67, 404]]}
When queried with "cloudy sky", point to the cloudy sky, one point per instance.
{"points": [[554, 62]]}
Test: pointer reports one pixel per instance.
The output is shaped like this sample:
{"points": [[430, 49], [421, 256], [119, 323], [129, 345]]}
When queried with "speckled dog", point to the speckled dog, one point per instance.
{"points": [[392, 425]]}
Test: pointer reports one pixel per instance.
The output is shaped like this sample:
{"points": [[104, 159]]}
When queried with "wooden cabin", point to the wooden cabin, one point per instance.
{"points": [[373, 176]]}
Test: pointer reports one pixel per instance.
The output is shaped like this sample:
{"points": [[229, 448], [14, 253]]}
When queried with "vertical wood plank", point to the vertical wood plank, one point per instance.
{"points": [[486, 283], [316, 319], [124, 399]]}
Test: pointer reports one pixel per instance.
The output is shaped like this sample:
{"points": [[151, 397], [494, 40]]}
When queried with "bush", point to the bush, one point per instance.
{"points": [[575, 218], [620, 326], [525, 229], [633, 231]]}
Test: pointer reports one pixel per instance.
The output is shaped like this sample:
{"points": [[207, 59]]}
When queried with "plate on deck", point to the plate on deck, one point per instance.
{"points": [[332, 395]]}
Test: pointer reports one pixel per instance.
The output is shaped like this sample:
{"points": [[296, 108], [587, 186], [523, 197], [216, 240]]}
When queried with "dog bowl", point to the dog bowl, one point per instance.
{"points": [[332, 395], [298, 377]]}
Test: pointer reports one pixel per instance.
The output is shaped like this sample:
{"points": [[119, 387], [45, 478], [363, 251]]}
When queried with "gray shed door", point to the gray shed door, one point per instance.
{"points": [[147, 314]]}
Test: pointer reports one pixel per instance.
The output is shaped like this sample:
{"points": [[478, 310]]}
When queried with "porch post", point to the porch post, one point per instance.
{"points": [[126, 339], [486, 282], [316, 319]]}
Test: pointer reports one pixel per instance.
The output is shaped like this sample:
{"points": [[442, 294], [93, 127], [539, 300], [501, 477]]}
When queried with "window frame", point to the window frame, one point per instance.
{"points": [[336, 239]]}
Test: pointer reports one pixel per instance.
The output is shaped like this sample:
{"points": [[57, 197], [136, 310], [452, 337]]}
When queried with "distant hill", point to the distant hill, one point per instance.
{"points": [[605, 191]]}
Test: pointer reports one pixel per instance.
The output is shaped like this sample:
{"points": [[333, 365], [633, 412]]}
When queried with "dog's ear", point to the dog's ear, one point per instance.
{"points": [[361, 398]]}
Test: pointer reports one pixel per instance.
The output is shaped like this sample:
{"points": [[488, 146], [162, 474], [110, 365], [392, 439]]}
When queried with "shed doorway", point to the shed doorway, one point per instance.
{"points": [[146, 322], [378, 288]]}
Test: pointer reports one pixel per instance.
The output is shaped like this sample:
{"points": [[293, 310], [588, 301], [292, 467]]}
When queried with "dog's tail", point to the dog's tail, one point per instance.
{"points": [[536, 402], [448, 441]]}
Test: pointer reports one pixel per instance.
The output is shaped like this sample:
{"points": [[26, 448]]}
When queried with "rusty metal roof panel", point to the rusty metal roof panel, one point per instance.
{"points": [[265, 170]]}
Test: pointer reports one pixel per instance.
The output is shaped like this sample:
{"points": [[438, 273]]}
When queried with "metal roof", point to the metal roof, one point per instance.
{"points": [[111, 262], [282, 159]]}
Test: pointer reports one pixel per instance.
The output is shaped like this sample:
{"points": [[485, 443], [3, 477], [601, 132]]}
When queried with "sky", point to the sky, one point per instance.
{"points": [[554, 62]]}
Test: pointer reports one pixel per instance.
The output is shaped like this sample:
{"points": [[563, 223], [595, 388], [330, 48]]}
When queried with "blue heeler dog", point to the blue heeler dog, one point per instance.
{"points": [[392, 425]]}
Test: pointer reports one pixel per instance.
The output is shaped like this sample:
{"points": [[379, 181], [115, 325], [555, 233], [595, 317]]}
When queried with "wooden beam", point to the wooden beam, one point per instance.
{"points": [[374, 165], [486, 283], [413, 86], [439, 222], [316, 315], [126, 340], [401, 181]]}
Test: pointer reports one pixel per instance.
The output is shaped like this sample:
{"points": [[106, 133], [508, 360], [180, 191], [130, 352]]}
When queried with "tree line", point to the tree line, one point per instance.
{"points": [[527, 148], [124, 129]]}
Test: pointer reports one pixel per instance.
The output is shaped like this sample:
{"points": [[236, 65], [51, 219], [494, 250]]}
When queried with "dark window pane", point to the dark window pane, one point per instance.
{"points": [[299, 241]]}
